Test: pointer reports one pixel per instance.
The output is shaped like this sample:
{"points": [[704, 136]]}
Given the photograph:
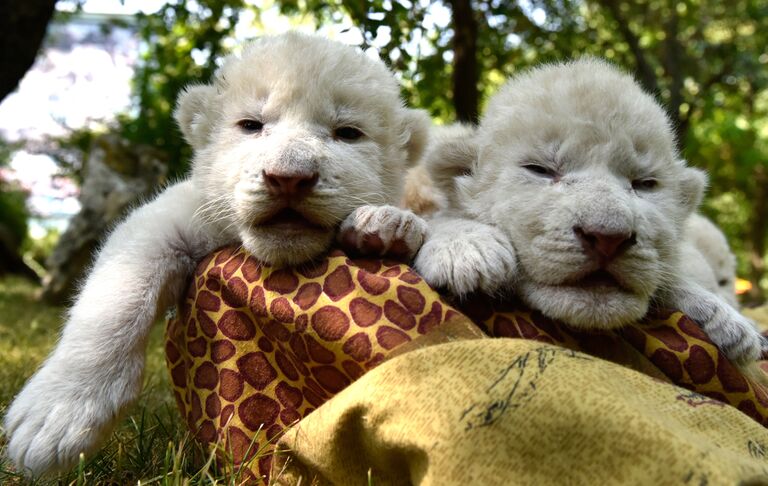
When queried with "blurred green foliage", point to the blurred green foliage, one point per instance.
{"points": [[13, 205], [182, 42], [39, 249], [13, 213]]}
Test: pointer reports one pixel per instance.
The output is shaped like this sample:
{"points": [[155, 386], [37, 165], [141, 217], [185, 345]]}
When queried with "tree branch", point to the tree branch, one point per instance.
{"points": [[645, 73]]}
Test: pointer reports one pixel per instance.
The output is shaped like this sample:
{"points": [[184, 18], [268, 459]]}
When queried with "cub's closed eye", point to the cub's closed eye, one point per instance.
{"points": [[540, 170], [645, 184], [348, 133], [250, 126]]}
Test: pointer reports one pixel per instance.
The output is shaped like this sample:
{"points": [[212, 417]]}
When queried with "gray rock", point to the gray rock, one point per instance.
{"points": [[117, 176]]}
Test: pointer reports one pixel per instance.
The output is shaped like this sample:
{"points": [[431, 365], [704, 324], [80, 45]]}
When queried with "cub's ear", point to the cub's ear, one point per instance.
{"points": [[193, 114], [693, 183], [452, 154], [414, 133]]}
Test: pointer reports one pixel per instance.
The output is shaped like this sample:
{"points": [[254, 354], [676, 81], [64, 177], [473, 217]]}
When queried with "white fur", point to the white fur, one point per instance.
{"points": [[596, 132], [711, 262], [302, 88], [463, 256]]}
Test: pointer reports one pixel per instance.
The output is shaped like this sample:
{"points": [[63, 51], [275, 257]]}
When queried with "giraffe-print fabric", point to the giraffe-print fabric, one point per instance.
{"points": [[254, 349]]}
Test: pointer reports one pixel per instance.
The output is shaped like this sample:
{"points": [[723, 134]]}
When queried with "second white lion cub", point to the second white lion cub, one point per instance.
{"points": [[293, 137], [571, 193]]}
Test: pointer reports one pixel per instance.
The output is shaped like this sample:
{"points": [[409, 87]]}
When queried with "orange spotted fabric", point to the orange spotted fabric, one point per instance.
{"points": [[254, 349]]}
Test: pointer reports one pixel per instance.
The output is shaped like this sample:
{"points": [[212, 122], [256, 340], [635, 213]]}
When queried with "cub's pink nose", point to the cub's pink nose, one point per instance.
{"points": [[289, 186], [605, 246]]}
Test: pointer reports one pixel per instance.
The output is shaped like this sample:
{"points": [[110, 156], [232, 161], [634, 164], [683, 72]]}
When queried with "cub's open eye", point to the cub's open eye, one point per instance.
{"points": [[540, 170], [723, 282], [648, 184], [250, 126], [347, 133]]}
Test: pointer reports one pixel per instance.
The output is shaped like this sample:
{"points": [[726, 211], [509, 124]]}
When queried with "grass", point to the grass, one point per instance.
{"points": [[150, 446]]}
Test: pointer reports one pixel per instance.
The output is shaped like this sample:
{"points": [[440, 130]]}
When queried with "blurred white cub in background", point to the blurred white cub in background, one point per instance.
{"points": [[709, 258]]}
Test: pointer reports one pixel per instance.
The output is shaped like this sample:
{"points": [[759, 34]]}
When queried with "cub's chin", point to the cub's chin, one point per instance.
{"points": [[596, 306], [288, 238]]}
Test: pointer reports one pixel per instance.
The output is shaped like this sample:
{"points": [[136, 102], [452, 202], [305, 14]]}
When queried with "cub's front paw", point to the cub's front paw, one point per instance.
{"points": [[383, 230], [54, 419], [463, 262], [735, 335]]}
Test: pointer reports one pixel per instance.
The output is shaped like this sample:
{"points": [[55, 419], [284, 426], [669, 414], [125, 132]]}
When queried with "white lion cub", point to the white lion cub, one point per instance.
{"points": [[571, 193], [709, 259], [293, 137]]}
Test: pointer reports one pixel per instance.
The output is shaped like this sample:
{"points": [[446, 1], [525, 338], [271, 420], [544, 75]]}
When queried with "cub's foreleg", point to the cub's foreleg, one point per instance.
{"points": [[464, 256], [71, 403]]}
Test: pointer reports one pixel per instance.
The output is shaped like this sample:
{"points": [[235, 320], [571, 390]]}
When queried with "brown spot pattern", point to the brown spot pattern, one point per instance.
{"points": [[338, 283], [699, 365], [390, 338], [411, 299], [399, 315], [197, 347], [230, 385], [373, 284], [236, 325], [206, 376], [232, 266], [330, 378], [235, 293], [288, 395], [206, 324], [364, 312], [256, 370], [358, 347], [251, 269], [330, 323], [212, 405], [258, 411], [307, 295], [222, 351], [282, 281], [669, 337], [667, 362]]}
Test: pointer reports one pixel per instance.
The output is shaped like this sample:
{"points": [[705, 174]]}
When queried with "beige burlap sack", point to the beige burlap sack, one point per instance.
{"points": [[510, 411]]}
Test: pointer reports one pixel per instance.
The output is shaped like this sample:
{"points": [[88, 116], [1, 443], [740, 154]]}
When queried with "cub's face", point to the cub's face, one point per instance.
{"points": [[294, 135], [577, 165]]}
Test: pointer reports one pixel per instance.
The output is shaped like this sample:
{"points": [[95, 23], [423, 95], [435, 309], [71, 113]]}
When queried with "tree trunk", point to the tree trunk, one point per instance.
{"points": [[673, 66], [22, 27], [465, 72]]}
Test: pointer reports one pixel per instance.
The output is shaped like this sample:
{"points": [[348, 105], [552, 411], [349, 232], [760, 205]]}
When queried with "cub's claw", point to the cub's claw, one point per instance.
{"points": [[383, 231]]}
